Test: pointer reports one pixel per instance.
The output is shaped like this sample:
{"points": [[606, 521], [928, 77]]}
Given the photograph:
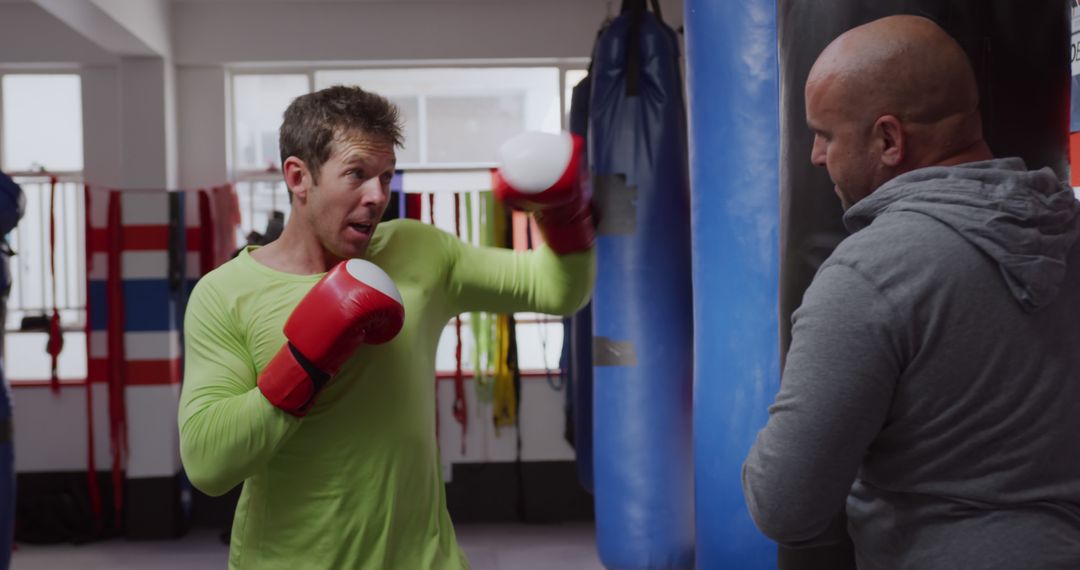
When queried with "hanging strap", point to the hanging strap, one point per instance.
{"points": [[412, 205], [117, 380], [461, 411], [176, 239], [91, 465], [656, 9], [637, 11], [504, 398], [56, 335], [483, 324], [206, 236], [397, 190], [640, 5], [431, 219], [515, 386], [633, 46]]}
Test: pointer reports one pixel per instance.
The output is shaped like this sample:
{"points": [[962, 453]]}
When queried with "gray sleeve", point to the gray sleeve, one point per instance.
{"points": [[834, 397]]}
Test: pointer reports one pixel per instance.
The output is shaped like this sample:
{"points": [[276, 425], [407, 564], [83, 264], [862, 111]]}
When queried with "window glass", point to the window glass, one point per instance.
{"points": [[259, 101], [460, 116], [42, 122]]}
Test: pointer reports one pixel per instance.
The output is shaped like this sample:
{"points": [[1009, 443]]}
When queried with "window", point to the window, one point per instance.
{"points": [[42, 135], [458, 117], [409, 106], [571, 78], [453, 117], [42, 123], [259, 102], [470, 128]]}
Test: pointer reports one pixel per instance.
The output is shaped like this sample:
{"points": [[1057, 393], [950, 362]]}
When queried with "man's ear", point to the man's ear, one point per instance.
{"points": [[888, 132], [297, 177]]}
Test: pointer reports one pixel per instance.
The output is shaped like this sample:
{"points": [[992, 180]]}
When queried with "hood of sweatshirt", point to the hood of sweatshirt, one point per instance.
{"points": [[1026, 221]]}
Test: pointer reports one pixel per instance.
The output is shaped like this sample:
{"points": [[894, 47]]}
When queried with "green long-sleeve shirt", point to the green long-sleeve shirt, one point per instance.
{"points": [[356, 483]]}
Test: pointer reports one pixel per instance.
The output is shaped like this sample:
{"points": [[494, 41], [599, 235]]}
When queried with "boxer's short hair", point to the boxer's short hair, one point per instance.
{"points": [[314, 121]]}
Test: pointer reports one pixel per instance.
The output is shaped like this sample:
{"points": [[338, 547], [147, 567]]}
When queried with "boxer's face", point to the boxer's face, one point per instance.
{"points": [[352, 193], [841, 141]]}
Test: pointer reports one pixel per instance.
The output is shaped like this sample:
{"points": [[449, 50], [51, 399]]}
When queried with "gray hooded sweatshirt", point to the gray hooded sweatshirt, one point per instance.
{"points": [[933, 380]]}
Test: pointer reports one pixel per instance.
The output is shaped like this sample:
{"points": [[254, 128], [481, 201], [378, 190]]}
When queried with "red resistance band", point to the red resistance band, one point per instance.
{"points": [[117, 380], [412, 205], [207, 237], [56, 335], [461, 410], [91, 466]]}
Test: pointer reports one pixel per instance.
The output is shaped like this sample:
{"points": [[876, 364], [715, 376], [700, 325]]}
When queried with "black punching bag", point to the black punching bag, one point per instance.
{"points": [[1020, 52]]}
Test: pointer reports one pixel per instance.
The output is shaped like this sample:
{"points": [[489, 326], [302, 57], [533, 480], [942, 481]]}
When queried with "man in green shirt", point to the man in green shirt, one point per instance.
{"points": [[351, 478]]}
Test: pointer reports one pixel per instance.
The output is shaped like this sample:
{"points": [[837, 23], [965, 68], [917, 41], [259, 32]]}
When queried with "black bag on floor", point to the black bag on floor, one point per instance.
{"points": [[58, 516]]}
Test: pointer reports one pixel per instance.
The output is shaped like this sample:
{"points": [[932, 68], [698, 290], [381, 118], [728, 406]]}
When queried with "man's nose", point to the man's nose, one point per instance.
{"points": [[817, 153], [373, 192]]}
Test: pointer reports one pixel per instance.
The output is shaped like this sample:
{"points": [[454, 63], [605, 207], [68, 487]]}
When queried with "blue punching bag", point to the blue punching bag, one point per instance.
{"points": [[641, 307], [731, 67], [12, 208], [7, 475], [580, 330]]}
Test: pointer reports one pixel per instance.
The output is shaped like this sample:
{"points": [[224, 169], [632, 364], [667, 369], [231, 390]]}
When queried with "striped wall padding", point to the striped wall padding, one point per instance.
{"points": [[156, 242]]}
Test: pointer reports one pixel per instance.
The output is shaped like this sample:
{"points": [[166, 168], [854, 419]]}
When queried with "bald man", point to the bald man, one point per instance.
{"points": [[932, 388]]}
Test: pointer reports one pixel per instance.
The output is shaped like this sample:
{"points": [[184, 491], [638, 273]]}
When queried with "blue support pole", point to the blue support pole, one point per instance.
{"points": [[732, 78]]}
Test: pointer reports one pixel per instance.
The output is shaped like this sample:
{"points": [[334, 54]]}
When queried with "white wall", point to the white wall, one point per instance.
{"points": [[542, 424], [202, 103], [148, 20], [33, 36], [59, 444], [50, 429], [218, 32], [102, 162], [153, 433], [144, 122]]}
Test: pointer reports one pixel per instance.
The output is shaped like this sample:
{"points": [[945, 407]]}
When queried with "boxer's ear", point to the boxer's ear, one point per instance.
{"points": [[297, 178], [888, 134]]}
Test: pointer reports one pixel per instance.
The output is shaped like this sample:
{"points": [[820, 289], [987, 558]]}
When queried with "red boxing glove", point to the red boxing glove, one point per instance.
{"points": [[355, 303], [545, 174]]}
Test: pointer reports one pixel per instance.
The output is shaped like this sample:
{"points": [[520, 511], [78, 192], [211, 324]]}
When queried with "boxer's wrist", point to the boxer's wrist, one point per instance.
{"points": [[291, 381], [567, 229]]}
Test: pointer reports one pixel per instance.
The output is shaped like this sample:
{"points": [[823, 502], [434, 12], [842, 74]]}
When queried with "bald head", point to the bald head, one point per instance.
{"points": [[895, 94], [900, 65]]}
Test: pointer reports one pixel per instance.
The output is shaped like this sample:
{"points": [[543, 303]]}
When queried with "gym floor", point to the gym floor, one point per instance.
{"points": [[489, 547]]}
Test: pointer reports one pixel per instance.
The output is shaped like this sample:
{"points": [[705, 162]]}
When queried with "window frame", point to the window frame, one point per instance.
{"points": [[561, 64], [41, 177]]}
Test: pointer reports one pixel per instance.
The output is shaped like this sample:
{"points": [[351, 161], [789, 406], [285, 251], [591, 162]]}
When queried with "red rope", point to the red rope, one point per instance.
{"points": [[56, 337], [117, 380], [206, 236], [461, 410], [431, 217], [91, 466], [412, 205]]}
